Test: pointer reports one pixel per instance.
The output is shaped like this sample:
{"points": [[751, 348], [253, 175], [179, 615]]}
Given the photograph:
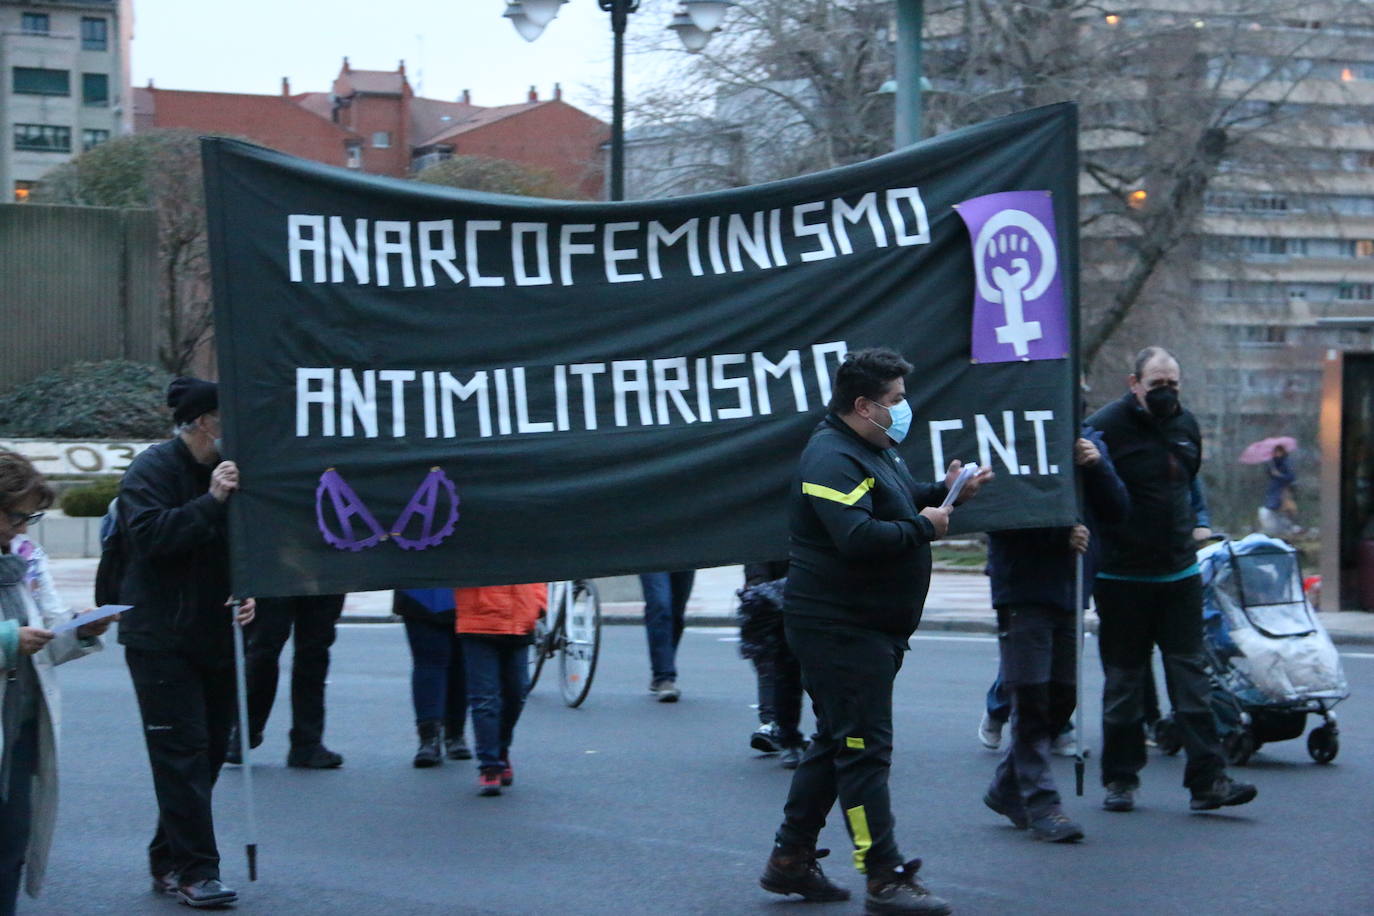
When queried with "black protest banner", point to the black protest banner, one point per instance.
{"points": [[427, 387]]}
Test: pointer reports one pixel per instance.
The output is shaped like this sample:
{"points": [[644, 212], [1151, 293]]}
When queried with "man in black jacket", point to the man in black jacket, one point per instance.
{"points": [[1149, 590], [861, 529], [178, 637], [1032, 574]]}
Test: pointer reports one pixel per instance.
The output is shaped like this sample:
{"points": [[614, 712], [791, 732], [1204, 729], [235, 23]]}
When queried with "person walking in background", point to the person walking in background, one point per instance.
{"points": [[495, 623], [1033, 573], [178, 636], [764, 643], [30, 714], [313, 619], [665, 617], [1149, 589], [1278, 512], [438, 682]]}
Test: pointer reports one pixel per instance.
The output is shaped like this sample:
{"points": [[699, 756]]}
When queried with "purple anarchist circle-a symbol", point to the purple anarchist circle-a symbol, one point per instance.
{"points": [[424, 507], [1018, 309]]}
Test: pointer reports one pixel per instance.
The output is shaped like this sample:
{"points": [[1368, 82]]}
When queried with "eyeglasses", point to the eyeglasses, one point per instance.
{"points": [[20, 519]]}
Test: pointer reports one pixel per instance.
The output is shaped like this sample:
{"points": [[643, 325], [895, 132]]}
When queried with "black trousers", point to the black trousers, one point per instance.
{"points": [[313, 618], [1135, 616], [16, 811], [187, 705], [780, 694], [848, 672], [1038, 657]]}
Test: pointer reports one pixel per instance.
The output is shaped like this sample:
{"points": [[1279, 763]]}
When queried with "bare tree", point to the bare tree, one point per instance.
{"points": [[160, 170], [498, 176]]}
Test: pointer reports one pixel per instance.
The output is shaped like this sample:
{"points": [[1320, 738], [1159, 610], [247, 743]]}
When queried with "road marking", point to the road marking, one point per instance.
{"points": [[1357, 654]]}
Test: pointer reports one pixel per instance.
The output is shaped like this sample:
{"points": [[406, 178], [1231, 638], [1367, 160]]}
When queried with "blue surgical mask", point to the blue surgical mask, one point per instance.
{"points": [[901, 421]]}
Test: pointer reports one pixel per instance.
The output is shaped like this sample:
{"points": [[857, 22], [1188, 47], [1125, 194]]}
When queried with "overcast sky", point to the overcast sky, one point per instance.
{"points": [[448, 46]]}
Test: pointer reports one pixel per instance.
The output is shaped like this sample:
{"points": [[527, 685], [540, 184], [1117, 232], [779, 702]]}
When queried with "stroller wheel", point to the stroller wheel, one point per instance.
{"points": [[1240, 747], [1323, 744]]}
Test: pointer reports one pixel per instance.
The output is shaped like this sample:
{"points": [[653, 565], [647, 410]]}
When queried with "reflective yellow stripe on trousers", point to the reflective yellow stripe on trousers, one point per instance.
{"points": [[863, 840]]}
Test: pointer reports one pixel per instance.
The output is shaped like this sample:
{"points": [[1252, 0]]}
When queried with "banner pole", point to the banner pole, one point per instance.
{"points": [[1078, 766], [251, 846]]}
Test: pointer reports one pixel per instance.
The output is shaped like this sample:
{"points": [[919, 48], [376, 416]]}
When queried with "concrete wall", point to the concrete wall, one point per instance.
{"points": [[76, 283]]}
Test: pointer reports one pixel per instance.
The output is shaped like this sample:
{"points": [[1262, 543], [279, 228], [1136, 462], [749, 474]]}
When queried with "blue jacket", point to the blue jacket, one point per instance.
{"points": [[1035, 565]]}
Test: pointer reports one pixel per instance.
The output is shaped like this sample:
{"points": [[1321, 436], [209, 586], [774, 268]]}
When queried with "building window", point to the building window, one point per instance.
{"points": [[94, 34], [39, 81], [1263, 335], [22, 190], [34, 23], [95, 90], [354, 156], [1364, 248], [43, 138], [381, 139], [90, 139], [1356, 292]]}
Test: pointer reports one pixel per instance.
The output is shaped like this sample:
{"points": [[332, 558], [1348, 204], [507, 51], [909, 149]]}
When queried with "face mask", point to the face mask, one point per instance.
{"points": [[1161, 402], [901, 421]]}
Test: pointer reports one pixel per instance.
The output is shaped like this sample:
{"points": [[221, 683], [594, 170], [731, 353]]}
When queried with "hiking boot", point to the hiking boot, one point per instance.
{"points": [[1055, 827], [315, 757], [489, 781], [792, 756], [1224, 791], [796, 871], [1120, 797], [896, 890], [208, 893], [1014, 812], [665, 689], [455, 748], [766, 738], [990, 732], [430, 753]]}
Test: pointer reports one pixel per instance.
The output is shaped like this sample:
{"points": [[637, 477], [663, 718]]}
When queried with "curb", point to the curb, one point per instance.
{"points": [[930, 624]]}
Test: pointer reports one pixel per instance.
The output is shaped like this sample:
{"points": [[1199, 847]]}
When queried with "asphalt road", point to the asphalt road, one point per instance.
{"points": [[630, 806]]}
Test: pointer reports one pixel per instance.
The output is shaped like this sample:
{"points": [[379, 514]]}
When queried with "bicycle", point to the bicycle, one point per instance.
{"points": [[574, 635]]}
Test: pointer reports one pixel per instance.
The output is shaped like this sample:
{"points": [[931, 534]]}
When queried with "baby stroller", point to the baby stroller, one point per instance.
{"points": [[1271, 661]]}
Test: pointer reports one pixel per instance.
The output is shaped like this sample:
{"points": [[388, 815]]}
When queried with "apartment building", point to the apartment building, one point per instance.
{"points": [[65, 71]]}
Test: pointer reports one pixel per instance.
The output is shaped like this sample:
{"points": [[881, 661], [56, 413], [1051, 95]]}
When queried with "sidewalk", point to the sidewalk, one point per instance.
{"points": [[957, 601]]}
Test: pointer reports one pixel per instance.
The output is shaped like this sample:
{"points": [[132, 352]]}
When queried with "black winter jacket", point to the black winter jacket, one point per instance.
{"points": [[176, 573], [860, 550], [1036, 565], [1157, 461]]}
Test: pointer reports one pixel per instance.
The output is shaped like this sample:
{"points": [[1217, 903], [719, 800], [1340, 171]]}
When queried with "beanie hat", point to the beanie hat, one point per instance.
{"points": [[190, 397]]}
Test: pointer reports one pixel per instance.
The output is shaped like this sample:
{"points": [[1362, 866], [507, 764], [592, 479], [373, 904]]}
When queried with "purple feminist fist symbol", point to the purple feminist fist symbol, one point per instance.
{"points": [[1018, 304], [347, 506]]}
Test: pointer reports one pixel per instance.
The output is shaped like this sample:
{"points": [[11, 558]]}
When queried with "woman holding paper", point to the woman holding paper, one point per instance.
{"points": [[30, 611]]}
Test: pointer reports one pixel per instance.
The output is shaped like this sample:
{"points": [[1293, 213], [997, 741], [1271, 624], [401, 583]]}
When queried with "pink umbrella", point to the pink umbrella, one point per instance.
{"points": [[1261, 451]]}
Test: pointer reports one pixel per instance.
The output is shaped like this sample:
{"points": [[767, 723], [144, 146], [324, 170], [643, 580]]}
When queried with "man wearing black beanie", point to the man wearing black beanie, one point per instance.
{"points": [[178, 636]]}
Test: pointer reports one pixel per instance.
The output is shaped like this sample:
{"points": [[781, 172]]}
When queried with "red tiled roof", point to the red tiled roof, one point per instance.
{"points": [[484, 116], [271, 120], [431, 117]]}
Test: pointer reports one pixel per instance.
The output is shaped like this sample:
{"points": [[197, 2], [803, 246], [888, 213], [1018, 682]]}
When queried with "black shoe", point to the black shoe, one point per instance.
{"points": [[1016, 813], [235, 753], [317, 757], [896, 890], [165, 883], [206, 893], [766, 738], [455, 748], [1055, 827], [792, 756], [1120, 797], [1224, 791], [430, 752], [797, 872]]}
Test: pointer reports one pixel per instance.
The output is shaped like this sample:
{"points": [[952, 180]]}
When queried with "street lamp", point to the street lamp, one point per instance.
{"points": [[694, 22]]}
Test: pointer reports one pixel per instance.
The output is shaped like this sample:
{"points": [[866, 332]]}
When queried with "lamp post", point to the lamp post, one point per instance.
{"points": [[694, 22], [910, 17]]}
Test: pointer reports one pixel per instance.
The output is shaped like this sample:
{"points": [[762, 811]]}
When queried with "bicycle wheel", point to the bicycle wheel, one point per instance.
{"points": [[582, 641], [542, 646]]}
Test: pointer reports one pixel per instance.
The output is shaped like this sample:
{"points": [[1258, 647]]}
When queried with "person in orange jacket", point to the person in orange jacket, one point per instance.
{"points": [[494, 623]]}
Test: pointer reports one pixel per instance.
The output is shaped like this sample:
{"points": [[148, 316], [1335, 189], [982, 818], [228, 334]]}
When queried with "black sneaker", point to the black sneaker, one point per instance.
{"points": [[896, 890], [1055, 827], [206, 893], [318, 757], [1016, 813], [1120, 797], [234, 754], [797, 872], [767, 738], [1224, 791]]}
